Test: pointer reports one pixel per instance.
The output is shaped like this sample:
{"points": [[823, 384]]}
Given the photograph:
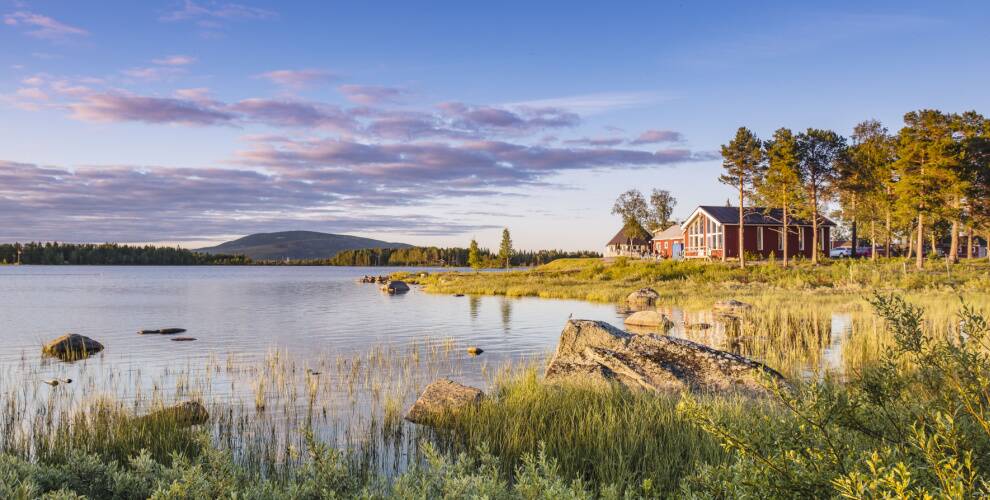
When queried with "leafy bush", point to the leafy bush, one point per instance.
{"points": [[915, 425]]}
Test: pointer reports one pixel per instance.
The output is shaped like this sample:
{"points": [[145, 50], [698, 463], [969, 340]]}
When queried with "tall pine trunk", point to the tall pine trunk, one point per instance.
{"points": [[890, 234], [785, 234], [855, 232], [814, 228], [910, 243], [742, 254], [920, 258], [873, 240], [969, 242]]}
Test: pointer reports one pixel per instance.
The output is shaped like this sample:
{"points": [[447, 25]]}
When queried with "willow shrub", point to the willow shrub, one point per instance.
{"points": [[914, 425]]}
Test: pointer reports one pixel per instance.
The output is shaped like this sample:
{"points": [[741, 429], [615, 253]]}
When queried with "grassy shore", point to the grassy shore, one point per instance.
{"points": [[700, 283]]}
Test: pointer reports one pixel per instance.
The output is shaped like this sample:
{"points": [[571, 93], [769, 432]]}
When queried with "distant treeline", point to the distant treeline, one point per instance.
{"points": [[53, 253], [456, 257]]}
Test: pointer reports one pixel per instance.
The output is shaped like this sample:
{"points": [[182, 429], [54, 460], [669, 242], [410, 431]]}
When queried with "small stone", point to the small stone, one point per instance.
{"points": [[650, 318], [395, 286], [162, 331], [474, 351], [643, 297]]}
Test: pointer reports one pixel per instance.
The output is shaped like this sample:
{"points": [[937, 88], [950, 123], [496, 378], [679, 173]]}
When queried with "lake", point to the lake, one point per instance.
{"points": [[281, 348]]}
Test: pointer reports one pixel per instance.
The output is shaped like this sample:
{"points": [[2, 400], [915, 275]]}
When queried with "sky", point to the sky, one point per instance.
{"points": [[192, 122]]}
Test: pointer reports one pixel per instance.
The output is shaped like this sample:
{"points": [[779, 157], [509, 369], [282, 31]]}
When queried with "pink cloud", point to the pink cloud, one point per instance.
{"points": [[655, 136], [40, 26], [299, 78], [175, 60], [371, 94], [118, 106]]}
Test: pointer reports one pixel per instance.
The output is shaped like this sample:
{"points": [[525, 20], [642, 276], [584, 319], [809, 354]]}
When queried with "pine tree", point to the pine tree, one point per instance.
{"points": [[780, 184], [474, 255], [742, 160], [819, 152], [505, 249]]}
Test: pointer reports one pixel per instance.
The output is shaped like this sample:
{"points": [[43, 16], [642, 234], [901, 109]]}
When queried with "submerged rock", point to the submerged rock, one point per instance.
{"points": [[183, 414], [643, 297], [599, 352], [395, 286], [71, 347], [442, 396], [651, 319], [183, 339]]}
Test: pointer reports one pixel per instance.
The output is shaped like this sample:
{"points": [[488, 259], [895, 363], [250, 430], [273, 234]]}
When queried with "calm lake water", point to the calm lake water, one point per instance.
{"points": [[281, 349], [251, 311]]}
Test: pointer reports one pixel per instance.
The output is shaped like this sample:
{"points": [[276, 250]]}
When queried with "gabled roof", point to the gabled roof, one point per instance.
{"points": [[756, 216], [671, 233], [621, 238]]}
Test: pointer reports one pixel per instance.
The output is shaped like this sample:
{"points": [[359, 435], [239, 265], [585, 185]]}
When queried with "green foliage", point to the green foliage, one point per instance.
{"points": [[505, 249], [474, 256], [914, 425]]}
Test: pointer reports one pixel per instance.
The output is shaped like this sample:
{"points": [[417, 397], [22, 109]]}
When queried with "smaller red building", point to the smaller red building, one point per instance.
{"points": [[712, 230], [669, 243]]}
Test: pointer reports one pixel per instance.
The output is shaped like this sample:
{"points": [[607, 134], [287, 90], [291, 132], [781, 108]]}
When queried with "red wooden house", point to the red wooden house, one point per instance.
{"points": [[711, 230], [669, 243]]}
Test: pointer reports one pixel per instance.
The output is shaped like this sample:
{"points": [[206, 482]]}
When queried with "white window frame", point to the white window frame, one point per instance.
{"points": [[759, 238], [801, 238]]}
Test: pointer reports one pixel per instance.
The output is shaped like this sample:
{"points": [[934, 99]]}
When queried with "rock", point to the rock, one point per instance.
{"points": [[474, 351], [182, 339], [600, 352], [395, 286], [643, 297], [731, 307], [71, 347], [458, 295], [650, 318], [442, 396], [184, 414], [162, 331]]}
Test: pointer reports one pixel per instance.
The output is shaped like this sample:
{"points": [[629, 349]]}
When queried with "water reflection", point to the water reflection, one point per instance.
{"points": [[505, 306]]}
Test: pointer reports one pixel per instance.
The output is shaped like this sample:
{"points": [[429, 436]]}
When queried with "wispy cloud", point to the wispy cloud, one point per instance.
{"points": [[590, 104], [174, 60], [299, 78], [372, 94], [120, 106], [40, 26], [192, 10], [658, 136]]}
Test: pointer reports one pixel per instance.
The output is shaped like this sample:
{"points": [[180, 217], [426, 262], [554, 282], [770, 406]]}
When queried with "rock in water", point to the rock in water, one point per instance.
{"points": [[183, 339], [598, 351], [183, 414], [395, 286], [442, 396], [643, 297], [162, 331], [474, 351], [71, 347], [650, 318], [731, 307]]}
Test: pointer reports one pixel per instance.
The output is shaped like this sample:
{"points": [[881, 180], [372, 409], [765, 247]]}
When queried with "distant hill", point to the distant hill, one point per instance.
{"points": [[296, 245]]}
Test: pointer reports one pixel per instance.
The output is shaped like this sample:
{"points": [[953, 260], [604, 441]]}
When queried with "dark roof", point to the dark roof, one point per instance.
{"points": [[620, 238], [757, 216]]}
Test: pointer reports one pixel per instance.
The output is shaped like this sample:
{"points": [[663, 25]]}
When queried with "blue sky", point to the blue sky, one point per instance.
{"points": [[196, 121]]}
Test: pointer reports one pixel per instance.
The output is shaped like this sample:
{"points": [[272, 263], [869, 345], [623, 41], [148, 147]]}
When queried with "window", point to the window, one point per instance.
{"points": [[822, 238], [801, 238], [780, 239], [759, 238]]}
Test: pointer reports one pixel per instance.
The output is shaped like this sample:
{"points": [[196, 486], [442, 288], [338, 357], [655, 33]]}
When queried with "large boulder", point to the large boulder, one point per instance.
{"points": [[651, 319], [72, 346], [442, 396], [598, 351], [395, 286], [643, 297], [183, 414]]}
